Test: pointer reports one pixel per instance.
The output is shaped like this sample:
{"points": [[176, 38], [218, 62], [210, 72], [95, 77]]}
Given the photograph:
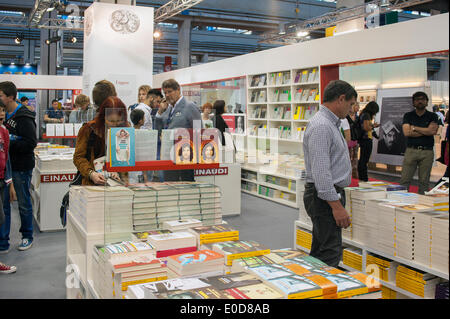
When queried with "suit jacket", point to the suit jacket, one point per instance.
{"points": [[184, 115]]}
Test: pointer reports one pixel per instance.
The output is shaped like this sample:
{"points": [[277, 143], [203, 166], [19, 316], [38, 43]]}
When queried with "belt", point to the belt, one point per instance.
{"points": [[427, 148], [337, 188]]}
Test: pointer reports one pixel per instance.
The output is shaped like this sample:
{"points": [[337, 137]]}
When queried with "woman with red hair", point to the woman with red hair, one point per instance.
{"points": [[91, 139]]}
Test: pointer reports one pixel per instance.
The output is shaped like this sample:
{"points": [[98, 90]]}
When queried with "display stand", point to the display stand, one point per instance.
{"points": [[300, 226]]}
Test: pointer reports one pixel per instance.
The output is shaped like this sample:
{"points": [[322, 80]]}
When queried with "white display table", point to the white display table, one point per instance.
{"points": [[228, 178]]}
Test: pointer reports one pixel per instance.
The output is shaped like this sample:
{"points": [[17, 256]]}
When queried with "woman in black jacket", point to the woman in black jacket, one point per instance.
{"points": [[219, 122], [365, 143]]}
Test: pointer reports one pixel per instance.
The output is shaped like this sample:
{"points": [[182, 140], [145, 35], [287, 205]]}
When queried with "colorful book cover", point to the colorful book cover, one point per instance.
{"points": [[209, 150], [122, 146], [185, 150], [268, 272], [233, 280], [296, 287], [196, 257], [257, 291], [214, 231]]}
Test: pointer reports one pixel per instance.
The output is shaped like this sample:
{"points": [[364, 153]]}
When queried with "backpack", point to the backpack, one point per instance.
{"points": [[76, 181]]}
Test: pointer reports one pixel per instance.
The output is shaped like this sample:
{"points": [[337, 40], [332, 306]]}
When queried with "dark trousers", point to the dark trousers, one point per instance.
{"points": [[185, 175], [326, 235], [365, 147]]}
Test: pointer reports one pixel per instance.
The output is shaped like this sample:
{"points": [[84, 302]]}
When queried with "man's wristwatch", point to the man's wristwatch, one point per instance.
{"points": [[414, 129]]}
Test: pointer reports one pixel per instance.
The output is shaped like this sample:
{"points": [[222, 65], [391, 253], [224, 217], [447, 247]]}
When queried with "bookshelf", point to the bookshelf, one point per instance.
{"points": [[279, 188], [307, 227], [280, 103]]}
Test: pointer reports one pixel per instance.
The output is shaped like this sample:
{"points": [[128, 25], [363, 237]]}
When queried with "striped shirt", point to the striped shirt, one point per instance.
{"points": [[325, 150]]}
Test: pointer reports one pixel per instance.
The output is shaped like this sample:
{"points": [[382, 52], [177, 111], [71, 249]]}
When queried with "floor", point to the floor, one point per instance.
{"points": [[41, 269]]}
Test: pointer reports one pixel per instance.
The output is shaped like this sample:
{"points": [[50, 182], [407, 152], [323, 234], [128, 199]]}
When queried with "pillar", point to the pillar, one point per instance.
{"points": [[184, 43]]}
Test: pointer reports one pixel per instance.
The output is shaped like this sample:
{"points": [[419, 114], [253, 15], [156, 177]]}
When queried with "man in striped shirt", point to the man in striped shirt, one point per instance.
{"points": [[328, 171]]}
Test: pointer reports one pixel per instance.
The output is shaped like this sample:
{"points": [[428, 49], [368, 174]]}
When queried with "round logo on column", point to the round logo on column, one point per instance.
{"points": [[88, 21], [124, 21]]}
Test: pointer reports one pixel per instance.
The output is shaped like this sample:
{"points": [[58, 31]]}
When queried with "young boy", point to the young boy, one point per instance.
{"points": [[5, 177], [137, 117]]}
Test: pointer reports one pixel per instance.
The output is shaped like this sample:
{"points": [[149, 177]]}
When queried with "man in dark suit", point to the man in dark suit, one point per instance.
{"points": [[176, 113]]}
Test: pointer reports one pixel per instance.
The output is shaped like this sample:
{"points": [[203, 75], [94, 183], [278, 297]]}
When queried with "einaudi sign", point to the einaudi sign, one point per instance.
{"points": [[57, 178]]}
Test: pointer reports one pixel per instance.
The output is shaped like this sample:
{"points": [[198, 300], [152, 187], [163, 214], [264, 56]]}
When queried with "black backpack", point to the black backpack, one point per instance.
{"points": [[76, 181], [356, 131]]}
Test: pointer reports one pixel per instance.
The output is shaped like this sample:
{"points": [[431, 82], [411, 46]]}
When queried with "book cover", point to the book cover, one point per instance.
{"points": [[122, 146], [185, 148], [209, 150], [233, 280], [146, 143], [268, 272], [194, 258], [257, 291], [214, 231], [296, 287]]}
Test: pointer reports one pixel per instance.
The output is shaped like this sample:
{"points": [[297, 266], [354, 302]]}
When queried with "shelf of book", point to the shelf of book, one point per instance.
{"points": [[366, 250], [278, 200], [306, 83]]}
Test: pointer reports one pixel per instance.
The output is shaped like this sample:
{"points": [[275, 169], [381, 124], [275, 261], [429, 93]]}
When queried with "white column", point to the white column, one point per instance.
{"points": [[118, 47], [184, 43]]}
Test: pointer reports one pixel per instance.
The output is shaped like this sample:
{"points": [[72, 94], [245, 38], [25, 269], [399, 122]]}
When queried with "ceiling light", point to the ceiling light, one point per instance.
{"points": [[27, 64], [281, 29], [384, 3], [301, 34], [52, 40], [12, 63], [157, 34], [19, 38]]}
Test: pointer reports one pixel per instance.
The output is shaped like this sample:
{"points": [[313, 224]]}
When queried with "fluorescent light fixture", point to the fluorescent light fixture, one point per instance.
{"points": [[366, 87], [401, 85], [301, 34]]}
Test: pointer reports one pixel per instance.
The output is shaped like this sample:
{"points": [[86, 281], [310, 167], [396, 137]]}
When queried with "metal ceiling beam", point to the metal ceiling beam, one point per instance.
{"points": [[38, 11], [172, 8], [336, 16]]}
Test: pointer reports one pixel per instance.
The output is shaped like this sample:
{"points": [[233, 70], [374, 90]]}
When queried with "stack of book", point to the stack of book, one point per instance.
{"points": [[237, 249], [213, 234], [359, 197], [183, 224], [404, 228], [404, 197], [118, 213], [156, 203], [441, 188], [422, 237], [387, 293], [438, 201], [442, 291], [199, 262], [124, 264], [372, 212], [304, 238], [386, 228], [143, 236], [381, 268], [169, 244], [352, 257], [417, 282], [87, 205], [439, 243]]}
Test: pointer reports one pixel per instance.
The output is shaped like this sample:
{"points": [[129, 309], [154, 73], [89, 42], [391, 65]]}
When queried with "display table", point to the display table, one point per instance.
{"points": [[227, 177], [48, 190]]}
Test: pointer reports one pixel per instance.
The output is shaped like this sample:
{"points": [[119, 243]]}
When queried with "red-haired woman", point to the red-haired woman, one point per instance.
{"points": [[91, 139]]}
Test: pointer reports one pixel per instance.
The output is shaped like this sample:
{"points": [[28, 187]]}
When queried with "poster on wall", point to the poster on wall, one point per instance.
{"points": [[390, 147]]}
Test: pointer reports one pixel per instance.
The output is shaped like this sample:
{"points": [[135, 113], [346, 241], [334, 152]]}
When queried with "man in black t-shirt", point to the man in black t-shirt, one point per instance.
{"points": [[419, 127]]}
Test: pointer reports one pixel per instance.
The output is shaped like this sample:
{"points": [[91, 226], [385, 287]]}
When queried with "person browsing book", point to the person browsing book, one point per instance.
{"points": [[176, 113], [219, 122], [90, 143], [328, 172]]}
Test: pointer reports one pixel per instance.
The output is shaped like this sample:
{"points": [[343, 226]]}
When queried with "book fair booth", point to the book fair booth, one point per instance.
{"points": [[144, 239]]}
